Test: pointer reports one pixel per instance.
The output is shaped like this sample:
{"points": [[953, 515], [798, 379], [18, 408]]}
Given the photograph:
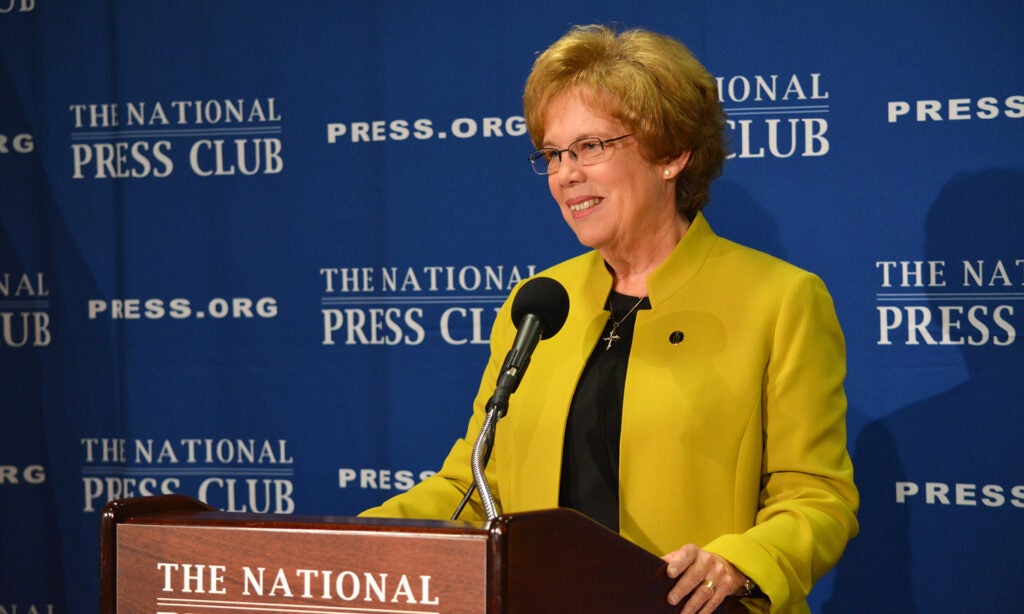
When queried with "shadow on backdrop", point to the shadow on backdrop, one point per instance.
{"points": [[57, 377], [735, 215], [953, 543]]}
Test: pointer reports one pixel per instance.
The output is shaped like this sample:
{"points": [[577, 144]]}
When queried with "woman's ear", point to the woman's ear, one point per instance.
{"points": [[676, 165]]}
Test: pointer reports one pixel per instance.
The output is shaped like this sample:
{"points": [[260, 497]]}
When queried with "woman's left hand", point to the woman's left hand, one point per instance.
{"points": [[706, 578]]}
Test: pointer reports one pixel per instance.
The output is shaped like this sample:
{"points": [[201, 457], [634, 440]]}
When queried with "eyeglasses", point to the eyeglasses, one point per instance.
{"points": [[586, 151]]}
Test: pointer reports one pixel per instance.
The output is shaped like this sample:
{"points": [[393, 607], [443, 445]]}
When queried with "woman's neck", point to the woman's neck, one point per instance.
{"points": [[630, 271]]}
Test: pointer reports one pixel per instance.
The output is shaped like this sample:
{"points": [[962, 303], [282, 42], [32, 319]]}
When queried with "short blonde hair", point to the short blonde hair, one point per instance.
{"points": [[649, 82]]}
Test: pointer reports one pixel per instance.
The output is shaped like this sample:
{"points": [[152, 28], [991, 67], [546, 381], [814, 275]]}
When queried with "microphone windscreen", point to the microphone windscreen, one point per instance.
{"points": [[545, 298]]}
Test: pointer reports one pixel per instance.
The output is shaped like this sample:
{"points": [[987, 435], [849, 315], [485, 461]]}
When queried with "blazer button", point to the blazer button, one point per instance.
{"points": [[676, 337]]}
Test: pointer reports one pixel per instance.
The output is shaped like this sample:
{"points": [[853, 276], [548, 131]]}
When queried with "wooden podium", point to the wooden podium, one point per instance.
{"points": [[172, 554]]}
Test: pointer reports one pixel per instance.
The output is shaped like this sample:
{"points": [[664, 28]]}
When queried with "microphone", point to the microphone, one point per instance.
{"points": [[538, 312]]}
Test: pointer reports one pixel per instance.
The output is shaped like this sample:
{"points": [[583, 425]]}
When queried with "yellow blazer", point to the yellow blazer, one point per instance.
{"points": [[733, 439]]}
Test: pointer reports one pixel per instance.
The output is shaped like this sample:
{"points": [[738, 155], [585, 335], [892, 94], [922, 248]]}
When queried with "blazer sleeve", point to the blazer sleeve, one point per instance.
{"points": [[808, 500]]}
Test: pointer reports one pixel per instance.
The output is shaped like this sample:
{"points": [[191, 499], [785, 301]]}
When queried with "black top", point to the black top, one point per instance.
{"points": [[590, 456]]}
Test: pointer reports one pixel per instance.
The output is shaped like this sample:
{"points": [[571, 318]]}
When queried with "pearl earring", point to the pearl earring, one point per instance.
{"points": [[668, 173]]}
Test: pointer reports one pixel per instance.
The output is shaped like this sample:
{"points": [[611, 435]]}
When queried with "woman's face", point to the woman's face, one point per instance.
{"points": [[620, 204]]}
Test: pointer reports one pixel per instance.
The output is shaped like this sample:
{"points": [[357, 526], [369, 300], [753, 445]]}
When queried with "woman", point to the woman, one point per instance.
{"points": [[723, 444]]}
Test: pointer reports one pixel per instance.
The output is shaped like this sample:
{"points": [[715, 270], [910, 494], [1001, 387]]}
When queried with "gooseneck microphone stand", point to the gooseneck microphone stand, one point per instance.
{"points": [[482, 451], [497, 407]]}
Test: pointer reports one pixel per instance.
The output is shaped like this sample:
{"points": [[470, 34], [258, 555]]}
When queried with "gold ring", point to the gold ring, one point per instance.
{"points": [[710, 584]]}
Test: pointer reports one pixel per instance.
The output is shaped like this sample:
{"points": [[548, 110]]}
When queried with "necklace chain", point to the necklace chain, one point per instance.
{"points": [[612, 337]]}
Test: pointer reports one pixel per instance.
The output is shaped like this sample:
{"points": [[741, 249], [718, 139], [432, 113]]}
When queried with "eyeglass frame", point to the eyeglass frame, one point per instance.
{"points": [[539, 154]]}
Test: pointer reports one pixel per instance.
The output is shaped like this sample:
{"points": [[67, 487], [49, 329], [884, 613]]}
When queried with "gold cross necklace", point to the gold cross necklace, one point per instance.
{"points": [[612, 337]]}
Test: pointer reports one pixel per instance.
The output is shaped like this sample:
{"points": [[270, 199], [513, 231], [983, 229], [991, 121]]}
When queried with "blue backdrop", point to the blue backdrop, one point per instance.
{"points": [[251, 252]]}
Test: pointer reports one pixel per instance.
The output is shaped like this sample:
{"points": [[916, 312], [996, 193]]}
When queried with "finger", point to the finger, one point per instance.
{"points": [[703, 599], [727, 578], [711, 606], [688, 583], [699, 572], [715, 599], [716, 596], [680, 560]]}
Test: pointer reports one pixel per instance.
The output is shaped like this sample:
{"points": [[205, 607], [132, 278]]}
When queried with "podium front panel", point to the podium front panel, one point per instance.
{"points": [[168, 569]]}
